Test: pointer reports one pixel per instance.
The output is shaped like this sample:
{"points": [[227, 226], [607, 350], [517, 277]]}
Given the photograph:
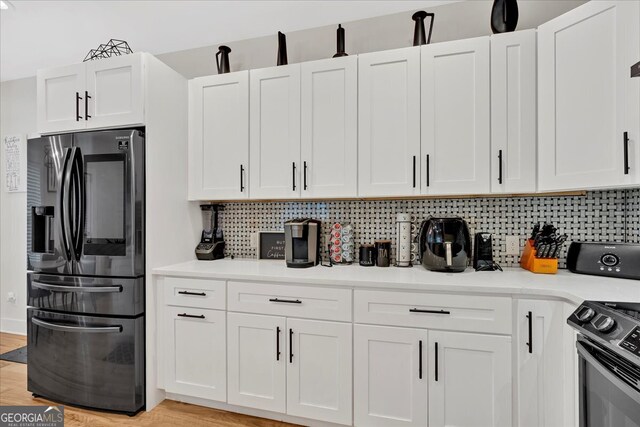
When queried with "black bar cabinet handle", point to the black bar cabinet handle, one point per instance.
{"points": [[191, 315], [290, 301], [290, 345], [436, 362], [420, 359], [277, 342], [427, 170], [78, 98], [530, 343], [305, 176], [293, 175], [200, 294], [418, 310], [500, 166], [626, 153], [86, 105], [414, 171], [241, 178]]}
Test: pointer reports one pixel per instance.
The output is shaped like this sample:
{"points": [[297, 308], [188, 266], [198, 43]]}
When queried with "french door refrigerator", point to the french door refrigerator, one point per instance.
{"points": [[85, 250]]}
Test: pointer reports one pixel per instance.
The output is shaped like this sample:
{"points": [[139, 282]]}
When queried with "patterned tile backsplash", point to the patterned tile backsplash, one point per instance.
{"points": [[612, 215]]}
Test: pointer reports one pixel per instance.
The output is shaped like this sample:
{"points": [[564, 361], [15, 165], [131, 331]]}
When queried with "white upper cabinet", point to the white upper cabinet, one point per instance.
{"points": [[103, 93], [455, 117], [330, 128], [587, 100], [219, 137], [469, 380], [389, 123], [513, 112], [60, 107], [275, 132], [115, 92]]}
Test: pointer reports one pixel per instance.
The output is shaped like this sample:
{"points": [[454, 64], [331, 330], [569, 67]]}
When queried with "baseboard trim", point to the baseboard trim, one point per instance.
{"points": [[13, 326]]}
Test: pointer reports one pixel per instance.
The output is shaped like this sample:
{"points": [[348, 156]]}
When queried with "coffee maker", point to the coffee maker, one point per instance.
{"points": [[445, 244], [302, 242], [211, 244]]}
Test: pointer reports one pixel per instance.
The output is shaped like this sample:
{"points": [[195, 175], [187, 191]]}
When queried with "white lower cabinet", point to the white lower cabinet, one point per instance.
{"points": [[542, 396], [293, 366], [195, 362], [469, 380], [390, 371]]}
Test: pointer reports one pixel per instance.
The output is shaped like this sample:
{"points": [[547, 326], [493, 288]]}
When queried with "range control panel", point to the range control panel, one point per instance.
{"points": [[632, 341]]}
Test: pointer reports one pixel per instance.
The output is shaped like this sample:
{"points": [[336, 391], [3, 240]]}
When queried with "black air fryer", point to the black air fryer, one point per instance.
{"points": [[445, 244]]}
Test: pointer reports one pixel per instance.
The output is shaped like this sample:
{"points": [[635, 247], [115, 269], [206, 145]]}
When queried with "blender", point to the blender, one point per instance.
{"points": [[211, 244]]}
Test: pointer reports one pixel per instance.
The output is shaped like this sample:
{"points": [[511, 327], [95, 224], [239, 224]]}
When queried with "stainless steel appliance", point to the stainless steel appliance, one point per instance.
{"points": [[302, 242], [608, 348], [211, 244], [605, 259], [403, 239], [85, 248], [444, 244]]}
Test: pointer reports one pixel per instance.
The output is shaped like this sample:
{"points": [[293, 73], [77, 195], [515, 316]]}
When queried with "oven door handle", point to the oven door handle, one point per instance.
{"points": [[85, 329], [63, 288], [621, 385]]}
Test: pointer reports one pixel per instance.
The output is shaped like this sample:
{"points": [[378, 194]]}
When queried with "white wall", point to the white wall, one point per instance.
{"points": [[17, 116]]}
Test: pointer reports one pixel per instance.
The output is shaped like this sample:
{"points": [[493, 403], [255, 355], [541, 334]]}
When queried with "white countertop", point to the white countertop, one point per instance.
{"points": [[565, 285]]}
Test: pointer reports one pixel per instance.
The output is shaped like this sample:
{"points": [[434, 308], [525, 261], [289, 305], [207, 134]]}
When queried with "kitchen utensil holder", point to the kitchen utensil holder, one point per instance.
{"points": [[529, 261]]}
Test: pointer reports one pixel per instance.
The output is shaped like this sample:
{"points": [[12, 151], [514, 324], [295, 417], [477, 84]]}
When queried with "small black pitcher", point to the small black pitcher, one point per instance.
{"points": [[222, 59], [504, 16]]}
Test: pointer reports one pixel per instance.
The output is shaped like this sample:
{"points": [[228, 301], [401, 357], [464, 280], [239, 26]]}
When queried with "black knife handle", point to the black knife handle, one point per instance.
{"points": [[499, 166], [530, 343], [626, 153], [86, 105], [191, 315]]}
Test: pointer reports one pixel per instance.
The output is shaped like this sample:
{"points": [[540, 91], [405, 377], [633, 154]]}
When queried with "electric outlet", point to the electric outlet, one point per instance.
{"points": [[11, 297], [513, 245], [254, 240]]}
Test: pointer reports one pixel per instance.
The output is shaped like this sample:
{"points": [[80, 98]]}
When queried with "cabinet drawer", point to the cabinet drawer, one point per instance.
{"points": [[197, 293], [434, 311], [290, 300]]}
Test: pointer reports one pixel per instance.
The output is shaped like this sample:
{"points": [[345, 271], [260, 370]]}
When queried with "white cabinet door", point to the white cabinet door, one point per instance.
{"points": [[513, 112], [116, 90], [586, 98], [469, 380], [542, 385], [256, 353], [219, 137], [319, 371], [389, 123], [330, 128], [195, 363], [455, 117], [61, 99], [275, 132], [390, 371]]}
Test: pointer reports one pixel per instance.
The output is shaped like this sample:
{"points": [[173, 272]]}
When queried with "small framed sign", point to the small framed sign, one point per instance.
{"points": [[270, 245]]}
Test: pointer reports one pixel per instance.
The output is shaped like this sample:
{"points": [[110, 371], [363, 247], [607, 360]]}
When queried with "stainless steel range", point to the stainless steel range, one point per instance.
{"points": [[86, 253], [609, 363]]}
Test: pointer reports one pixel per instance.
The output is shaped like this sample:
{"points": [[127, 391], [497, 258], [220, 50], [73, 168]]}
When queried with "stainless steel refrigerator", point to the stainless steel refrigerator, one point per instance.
{"points": [[85, 249]]}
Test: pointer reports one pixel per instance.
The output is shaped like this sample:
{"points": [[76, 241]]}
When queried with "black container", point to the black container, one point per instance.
{"points": [[340, 42], [445, 244], [223, 62], [282, 49], [419, 34], [367, 255], [383, 253], [504, 16]]}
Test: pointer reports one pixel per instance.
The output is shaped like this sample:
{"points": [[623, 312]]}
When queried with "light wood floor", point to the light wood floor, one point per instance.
{"points": [[13, 391]]}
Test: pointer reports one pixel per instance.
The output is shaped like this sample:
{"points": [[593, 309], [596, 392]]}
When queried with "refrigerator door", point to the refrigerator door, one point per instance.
{"points": [[108, 237], [96, 362], [48, 241]]}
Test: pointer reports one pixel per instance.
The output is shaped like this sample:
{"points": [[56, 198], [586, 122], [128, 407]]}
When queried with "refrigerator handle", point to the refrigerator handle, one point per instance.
{"points": [[63, 202], [80, 201]]}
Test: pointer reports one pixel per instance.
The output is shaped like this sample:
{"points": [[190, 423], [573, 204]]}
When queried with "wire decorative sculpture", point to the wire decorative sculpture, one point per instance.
{"points": [[113, 47]]}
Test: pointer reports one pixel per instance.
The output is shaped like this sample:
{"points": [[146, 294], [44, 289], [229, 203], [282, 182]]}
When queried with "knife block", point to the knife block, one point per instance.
{"points": [[529, 261]]}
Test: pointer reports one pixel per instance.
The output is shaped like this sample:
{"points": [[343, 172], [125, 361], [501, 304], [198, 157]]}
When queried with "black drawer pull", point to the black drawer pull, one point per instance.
{"points": [[428, 171], [414, 171], [436, 364], [530, 343], [420, 359], [241, 178], [200, 294], [293, 175], [417, 310], [277, 342], [285, 300], [499, 166], [626, 153], [191, 315], [290, 345]]}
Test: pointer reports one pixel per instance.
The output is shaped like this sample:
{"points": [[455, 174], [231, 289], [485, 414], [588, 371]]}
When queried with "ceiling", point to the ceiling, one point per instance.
{"points": [[40, 34]]}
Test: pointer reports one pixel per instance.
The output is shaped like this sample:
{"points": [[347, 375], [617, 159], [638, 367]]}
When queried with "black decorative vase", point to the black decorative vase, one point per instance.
{"points": [[282, 49], [340, 42], [222, 59], [504, 16], [419, 35]]}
